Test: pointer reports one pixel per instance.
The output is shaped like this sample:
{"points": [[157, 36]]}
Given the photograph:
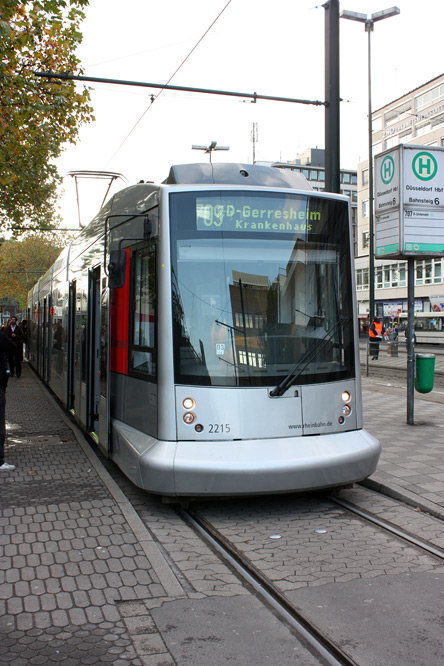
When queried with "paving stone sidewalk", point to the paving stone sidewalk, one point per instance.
{"points": [[410, 467], [72, 567]]}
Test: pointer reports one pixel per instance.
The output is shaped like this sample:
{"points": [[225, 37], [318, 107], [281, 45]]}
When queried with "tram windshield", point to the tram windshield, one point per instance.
{"points": [[260, 281]]}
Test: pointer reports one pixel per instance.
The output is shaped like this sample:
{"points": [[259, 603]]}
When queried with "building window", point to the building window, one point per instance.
{"points": [[377, 148], [438, 122], [419, 273], [430, 97], [428, 272], [362, 279], [365, 208], [246, 318], [365, 177], [398, 114], [402, 275], [378, 274], [425, 129], [365, 238], [377, 124], [393, 141], [254, 359]]}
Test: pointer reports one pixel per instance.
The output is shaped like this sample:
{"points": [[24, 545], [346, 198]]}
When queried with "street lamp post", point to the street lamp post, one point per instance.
{"points": [[369, 22]]}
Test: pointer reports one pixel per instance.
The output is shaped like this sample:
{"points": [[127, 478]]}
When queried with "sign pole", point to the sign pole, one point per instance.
{"points": [[409, 206], [410, 341]]}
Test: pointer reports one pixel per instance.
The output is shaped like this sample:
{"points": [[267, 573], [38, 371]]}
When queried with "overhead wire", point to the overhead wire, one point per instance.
{"points": [[154, 98]]}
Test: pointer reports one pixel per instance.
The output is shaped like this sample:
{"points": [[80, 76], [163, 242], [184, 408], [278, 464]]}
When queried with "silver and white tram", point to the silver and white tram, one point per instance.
{"points": [[203, 332]]}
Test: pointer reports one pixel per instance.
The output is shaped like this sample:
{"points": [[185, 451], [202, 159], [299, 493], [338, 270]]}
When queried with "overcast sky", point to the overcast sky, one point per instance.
{"points": [[272, 48]]}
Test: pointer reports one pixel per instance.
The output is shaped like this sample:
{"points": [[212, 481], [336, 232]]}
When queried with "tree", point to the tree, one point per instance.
{"points": [[37, 116], [23, 262]]}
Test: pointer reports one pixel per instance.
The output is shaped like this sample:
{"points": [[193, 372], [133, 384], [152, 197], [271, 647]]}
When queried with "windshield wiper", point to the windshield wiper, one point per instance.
{"points": [[316, 346]]}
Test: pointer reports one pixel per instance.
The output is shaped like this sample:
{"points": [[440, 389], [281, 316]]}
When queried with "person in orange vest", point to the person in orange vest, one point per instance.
{"points": [[376, 334]]}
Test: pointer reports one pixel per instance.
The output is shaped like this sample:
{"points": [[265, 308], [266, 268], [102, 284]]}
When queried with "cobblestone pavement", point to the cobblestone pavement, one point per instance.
{"points": [[410, 466], [70, 561], [310, 542]]}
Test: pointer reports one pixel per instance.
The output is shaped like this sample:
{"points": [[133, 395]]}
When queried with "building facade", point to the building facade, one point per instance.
{"points": [[415, 118], [311, 163]]}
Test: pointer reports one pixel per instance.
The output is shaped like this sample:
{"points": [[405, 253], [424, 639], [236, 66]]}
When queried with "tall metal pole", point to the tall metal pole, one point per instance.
{"points": [[369, 22], [410, 340], [332, 127], [371, 274]]}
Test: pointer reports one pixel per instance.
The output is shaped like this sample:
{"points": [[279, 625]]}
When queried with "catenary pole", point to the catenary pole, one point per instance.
{"points": [[332, 128]]}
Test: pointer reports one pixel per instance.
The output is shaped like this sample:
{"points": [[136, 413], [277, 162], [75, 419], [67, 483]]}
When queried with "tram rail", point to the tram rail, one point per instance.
{"points": [[388, 526], [319, 641]]}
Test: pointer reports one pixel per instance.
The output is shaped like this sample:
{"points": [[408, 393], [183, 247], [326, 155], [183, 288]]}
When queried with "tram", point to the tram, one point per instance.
{"points": [[428, 327], [203, 332]]}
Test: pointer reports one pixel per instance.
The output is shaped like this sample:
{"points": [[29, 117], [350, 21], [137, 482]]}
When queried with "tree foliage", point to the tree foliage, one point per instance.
{"points": [[37, 116], [23, 262]]}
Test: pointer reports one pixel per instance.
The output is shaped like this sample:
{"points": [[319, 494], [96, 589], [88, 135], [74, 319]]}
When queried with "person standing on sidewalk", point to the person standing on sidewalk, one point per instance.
{"points": [[7, 354], [15, 334], [375, 333]]}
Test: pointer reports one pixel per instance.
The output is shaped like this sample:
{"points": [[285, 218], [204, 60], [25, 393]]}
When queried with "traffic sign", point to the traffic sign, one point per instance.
{"points": [[409, 202]]}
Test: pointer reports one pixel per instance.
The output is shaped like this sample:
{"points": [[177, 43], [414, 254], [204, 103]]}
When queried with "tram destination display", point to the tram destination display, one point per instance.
{"points": [[265, 214]]}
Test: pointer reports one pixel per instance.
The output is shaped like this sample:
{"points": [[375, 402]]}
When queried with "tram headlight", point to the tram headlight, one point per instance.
{"points": [[346, 410], [189, 418], [189, 403], [346, 396]]}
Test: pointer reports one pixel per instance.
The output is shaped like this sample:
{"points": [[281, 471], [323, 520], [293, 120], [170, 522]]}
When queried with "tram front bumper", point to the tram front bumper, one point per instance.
{"points": [[249, 467]]}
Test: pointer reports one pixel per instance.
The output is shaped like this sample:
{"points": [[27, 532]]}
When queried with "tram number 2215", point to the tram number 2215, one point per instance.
{"points": [[219, 427]]}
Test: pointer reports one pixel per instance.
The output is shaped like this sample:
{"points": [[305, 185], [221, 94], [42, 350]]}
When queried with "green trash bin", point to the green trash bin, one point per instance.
{"points": [[425, 372]]}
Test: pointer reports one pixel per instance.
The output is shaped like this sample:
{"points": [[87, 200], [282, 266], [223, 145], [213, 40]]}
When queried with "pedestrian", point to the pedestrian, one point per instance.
{"points": [[7, 352], [15, 334], [376, 334], [24, 326]]}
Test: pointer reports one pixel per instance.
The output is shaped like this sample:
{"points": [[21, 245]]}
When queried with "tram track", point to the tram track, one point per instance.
{"points": [[388, 526], [319, 641]]}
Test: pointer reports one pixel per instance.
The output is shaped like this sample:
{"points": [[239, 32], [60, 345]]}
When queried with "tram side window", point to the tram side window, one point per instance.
{"points": [[142, 352]]}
